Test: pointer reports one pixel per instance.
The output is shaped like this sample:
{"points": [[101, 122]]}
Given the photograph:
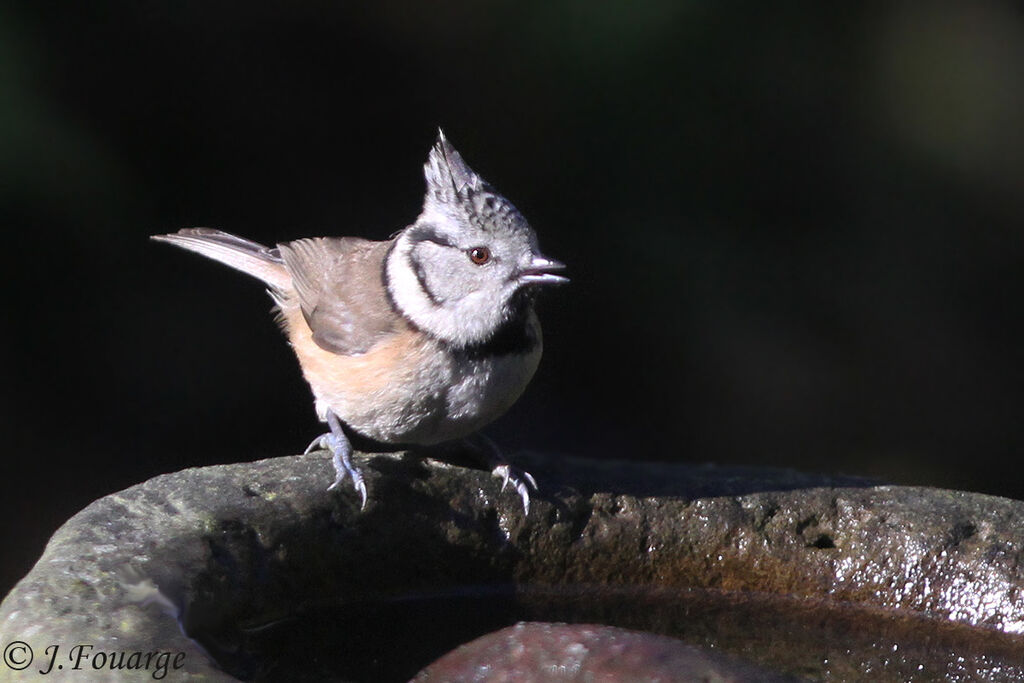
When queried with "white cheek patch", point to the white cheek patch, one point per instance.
{"points": [[461, 322]]}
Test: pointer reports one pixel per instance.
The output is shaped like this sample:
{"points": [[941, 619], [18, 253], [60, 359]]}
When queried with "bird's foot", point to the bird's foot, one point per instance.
{"points": [[342, 460], [521, 480], [341, 457]]}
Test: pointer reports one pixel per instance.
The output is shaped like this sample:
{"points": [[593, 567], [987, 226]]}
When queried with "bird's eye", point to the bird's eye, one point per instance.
{"points": [[479, 255]]}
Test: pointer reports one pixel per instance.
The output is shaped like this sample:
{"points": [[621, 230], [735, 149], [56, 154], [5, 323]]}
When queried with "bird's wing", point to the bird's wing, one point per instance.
{"points": [[340, 290]]}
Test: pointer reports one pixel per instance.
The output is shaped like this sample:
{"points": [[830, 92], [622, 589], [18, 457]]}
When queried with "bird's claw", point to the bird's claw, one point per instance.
{"points": [[319, 443], [521, 480], [360, 486], [357, 483]]}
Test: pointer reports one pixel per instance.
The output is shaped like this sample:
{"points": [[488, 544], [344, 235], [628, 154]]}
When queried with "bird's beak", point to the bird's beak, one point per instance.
{"points": [[543, 271]]}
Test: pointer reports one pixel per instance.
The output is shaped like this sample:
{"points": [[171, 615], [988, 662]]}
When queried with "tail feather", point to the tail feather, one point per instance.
{"points": [[250, 257]]}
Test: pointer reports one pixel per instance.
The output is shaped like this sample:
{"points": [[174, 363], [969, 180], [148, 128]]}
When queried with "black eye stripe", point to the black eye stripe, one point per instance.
{"points": [[421, 280], [428, 233]]}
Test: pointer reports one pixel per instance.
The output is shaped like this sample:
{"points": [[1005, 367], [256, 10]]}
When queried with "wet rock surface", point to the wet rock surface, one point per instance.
{"points": [[538, 652], [259, 567]]}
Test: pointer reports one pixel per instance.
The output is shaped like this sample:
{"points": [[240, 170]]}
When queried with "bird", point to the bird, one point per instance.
{"points": [[417, 340]]}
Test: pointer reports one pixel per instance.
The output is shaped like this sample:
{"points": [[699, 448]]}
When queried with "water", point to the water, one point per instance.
{"points": [[391, 638]]}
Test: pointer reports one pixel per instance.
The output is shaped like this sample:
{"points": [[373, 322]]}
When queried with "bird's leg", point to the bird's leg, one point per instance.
{"points": [[521, 480], [341, 450]]}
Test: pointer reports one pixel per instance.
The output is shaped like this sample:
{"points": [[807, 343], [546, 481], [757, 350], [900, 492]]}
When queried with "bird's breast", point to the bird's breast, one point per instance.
{"points": [[409, 387]]}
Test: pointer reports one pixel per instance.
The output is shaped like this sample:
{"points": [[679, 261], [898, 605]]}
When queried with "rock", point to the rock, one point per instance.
{"points": [[562, 653], [276, 577]]}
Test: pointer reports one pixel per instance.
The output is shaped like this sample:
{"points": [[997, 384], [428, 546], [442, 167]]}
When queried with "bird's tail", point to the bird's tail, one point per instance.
{"points": [[250, 257]]}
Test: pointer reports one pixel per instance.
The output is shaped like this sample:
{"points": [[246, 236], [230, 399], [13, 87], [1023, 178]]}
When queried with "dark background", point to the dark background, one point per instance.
{"points": [[795, 231]]}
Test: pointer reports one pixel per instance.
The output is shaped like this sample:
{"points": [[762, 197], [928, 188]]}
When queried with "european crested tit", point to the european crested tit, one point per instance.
{"points": [[417, 340]]}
